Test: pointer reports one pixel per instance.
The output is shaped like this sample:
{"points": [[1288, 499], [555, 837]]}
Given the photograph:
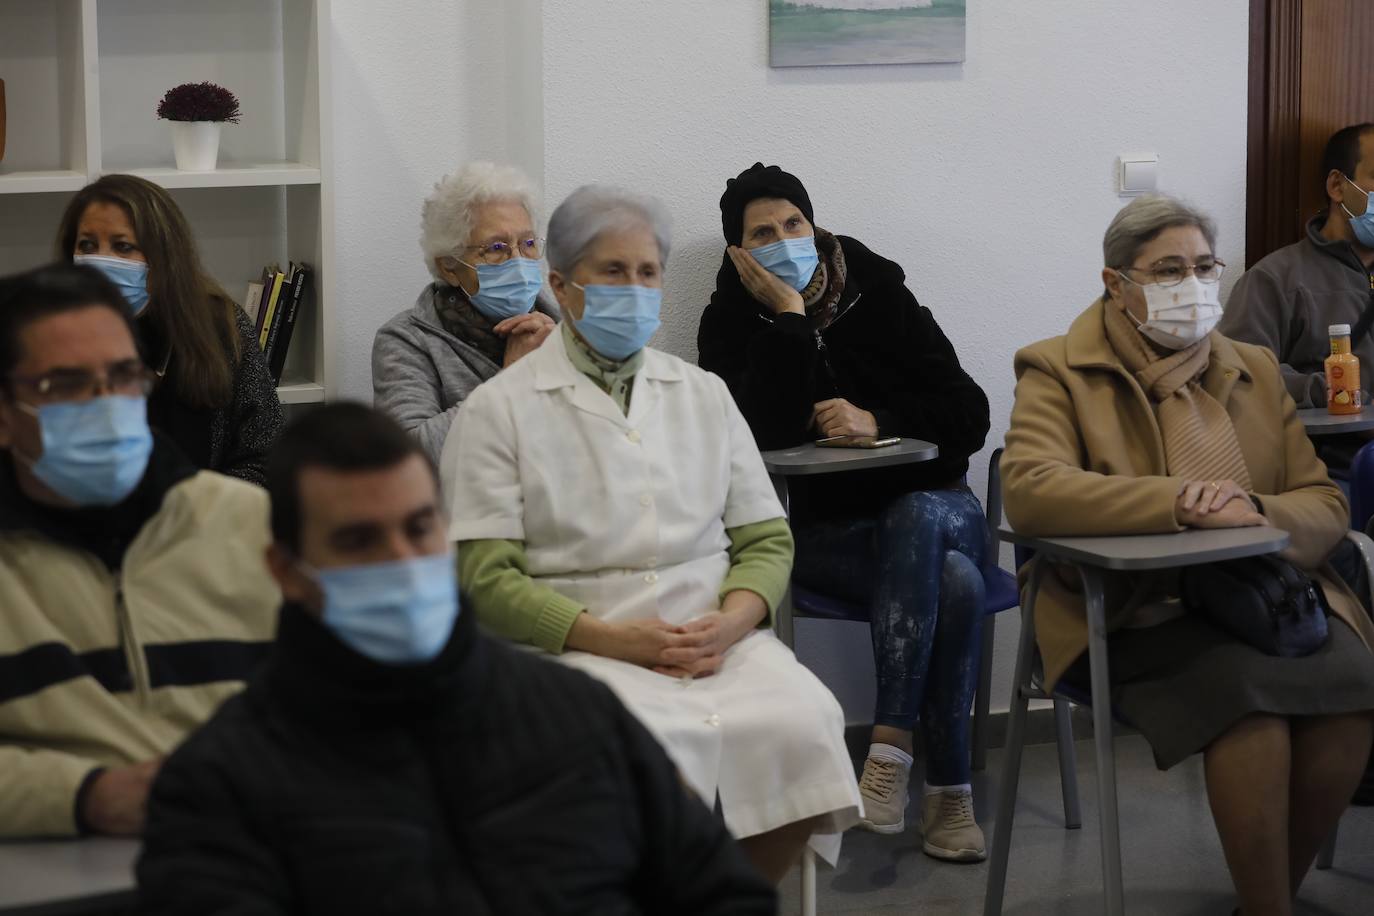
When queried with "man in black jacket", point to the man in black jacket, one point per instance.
{"points": [[391, 759]]}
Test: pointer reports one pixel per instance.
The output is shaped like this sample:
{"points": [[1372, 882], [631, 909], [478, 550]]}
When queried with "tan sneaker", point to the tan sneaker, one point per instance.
{"points": [[948, 830], [883, 787]]}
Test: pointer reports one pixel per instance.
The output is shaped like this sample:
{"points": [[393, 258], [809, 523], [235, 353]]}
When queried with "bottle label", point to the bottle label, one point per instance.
{"points": [[1343, 384]]}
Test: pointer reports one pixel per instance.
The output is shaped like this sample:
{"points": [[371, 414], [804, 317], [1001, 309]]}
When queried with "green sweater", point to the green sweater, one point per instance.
{"points": [[495, 572], [497, 584]]}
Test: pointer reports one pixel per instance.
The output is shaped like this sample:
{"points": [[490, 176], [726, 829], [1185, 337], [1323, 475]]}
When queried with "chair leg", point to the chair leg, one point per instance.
{"points": [[1112, 887], [783, 626], [808, 882], [982, 699], [1011, 765], [1068, 764], [1327, 856]]}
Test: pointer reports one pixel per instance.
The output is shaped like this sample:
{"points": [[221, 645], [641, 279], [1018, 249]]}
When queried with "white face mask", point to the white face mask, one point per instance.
{"points": [[1179, 316]]}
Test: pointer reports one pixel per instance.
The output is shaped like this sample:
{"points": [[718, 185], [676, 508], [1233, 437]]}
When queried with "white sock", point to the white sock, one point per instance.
{"points": [[948, 790], [888, 752]]}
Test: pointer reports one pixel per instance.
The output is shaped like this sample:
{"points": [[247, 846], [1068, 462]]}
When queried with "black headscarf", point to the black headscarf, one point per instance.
{"points": [[754, 182]]}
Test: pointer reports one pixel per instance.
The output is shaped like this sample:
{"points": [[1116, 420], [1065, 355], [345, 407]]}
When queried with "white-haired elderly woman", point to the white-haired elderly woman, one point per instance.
{"points": [[481, 313], [611, 508], [1142, 419]]}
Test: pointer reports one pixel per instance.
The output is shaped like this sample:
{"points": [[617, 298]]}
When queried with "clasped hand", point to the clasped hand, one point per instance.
{"points": [[694, 649], [1215, 504], [524, 334]]}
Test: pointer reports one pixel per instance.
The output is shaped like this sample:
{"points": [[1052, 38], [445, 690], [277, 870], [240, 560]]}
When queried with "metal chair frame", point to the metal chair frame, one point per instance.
{"points": [[1024, 689]]}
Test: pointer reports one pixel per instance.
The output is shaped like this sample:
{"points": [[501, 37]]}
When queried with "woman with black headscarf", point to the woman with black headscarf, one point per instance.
{"points": [[819, 337]]}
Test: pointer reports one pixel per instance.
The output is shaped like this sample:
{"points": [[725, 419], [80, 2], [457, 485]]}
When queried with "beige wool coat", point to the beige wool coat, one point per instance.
{"points": [[1084, 456]]}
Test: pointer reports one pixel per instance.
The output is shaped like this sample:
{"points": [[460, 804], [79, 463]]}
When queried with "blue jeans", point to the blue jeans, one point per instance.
{"points": [[917, 567]]}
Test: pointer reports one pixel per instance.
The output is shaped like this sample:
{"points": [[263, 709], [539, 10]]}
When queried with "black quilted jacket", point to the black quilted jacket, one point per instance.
{"points": [[490, 781]]}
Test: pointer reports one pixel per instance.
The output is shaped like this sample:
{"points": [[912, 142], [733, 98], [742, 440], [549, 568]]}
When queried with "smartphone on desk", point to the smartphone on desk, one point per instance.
{"points": [[857, 442]]}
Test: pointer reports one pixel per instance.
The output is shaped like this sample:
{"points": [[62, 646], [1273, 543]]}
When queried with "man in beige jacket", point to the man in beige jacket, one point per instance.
{"points": [[132, 585]]}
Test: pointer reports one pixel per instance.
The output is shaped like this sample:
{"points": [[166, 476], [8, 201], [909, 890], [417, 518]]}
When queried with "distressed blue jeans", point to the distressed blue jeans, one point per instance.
{"points": [[917, 566]]}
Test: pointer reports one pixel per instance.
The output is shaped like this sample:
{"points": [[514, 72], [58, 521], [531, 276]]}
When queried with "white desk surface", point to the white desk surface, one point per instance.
{"points": [[810, 458], [51, 877], [1157, 551]]}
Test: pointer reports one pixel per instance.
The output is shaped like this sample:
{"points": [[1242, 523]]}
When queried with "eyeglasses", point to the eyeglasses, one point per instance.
{"points": [[500, 252], [1172, 271], [130, 378]]}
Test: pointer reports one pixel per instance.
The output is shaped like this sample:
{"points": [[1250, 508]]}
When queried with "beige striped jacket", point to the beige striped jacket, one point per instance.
{"points": [[102, 668]]}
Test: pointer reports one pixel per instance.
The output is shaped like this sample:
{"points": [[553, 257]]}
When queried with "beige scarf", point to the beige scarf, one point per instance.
{"points": [[1199, 439]]}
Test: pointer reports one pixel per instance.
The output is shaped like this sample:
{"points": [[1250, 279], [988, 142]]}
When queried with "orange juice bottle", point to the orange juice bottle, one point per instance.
{"points": [[1342, 373]]}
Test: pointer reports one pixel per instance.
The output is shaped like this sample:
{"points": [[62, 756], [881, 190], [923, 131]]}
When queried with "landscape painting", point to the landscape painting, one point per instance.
{"points": [[814, 33]]}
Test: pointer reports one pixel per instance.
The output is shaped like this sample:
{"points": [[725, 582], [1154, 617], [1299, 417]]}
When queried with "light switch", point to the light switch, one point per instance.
{"points": [[1137, 173]]}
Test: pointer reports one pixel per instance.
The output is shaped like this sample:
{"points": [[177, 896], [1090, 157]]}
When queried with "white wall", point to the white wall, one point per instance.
{"points": [[420, 86], [990, 181]]}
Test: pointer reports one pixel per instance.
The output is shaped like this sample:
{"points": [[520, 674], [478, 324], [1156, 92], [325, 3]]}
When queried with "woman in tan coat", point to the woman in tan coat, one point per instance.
{"points": [[1143, 420]]}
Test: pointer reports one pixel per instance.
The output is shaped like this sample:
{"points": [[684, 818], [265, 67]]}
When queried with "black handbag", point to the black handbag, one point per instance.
{"points": [[1264, 601]]}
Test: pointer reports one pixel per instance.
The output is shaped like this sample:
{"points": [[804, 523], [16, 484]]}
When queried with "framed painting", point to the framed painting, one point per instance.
{"points": [[818, 33]]}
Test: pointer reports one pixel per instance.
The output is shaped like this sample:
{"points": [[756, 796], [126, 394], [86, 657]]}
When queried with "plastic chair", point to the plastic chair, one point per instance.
{"points": [[1029, 687], [1001, 595], [1361, 480]]}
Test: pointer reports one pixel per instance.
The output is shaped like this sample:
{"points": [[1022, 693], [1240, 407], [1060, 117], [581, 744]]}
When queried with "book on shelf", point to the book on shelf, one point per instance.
{"points": [[270, 296], [294, 290], [252, 299], [264, 285], [273, 302]]}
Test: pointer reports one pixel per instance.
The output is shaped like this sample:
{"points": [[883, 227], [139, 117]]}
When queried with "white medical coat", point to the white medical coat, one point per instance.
{"points": [[628, 516]]}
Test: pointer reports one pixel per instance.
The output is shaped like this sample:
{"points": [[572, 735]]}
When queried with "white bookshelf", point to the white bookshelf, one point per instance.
{"points": [[82, 83]]}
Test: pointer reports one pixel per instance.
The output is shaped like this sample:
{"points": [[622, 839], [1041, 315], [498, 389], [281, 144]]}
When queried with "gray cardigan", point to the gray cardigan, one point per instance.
{"points": [[421, 373]]}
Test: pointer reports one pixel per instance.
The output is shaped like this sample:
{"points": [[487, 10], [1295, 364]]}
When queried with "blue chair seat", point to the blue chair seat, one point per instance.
{"points": [[1000, 588], [1361, 479], [1002, 593], [814, 604], [1079, 695]]}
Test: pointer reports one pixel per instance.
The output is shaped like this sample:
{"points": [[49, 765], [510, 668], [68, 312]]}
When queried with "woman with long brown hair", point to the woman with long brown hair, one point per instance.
{"points": [[214, 398]]}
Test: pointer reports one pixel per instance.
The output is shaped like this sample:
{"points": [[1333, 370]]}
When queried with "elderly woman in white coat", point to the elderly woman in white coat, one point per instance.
{"points": [[611, 508]]}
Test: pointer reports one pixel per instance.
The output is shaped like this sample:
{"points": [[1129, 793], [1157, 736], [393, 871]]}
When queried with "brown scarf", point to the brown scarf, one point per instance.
{"points": [[1199, 439], [461, 319], [822, 295]]}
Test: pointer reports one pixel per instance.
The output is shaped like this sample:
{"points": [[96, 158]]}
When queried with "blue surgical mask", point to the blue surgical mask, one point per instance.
{"points": [[1362, 225], [95, 451], [793, 261], [130, 276], [507, 289], [618, 320], [397, 613]]}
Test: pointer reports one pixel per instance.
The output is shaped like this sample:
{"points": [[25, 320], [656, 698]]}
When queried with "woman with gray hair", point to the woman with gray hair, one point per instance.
{"points": [[1143, 420], [481, 313], [611, 508]]}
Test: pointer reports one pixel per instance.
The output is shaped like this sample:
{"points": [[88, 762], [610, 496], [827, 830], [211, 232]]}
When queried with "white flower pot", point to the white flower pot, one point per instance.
{"points": [[196, 144]]}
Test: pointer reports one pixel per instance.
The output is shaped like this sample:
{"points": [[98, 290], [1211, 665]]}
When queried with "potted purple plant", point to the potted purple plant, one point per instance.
{"points": [[197, 111]]}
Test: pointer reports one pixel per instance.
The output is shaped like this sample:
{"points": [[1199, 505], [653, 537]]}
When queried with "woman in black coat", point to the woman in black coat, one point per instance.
{"points": [[819, 337]]}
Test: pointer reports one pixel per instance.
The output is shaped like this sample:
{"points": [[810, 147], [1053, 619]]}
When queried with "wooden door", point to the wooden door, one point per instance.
{"points": [[1310, 75]]}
